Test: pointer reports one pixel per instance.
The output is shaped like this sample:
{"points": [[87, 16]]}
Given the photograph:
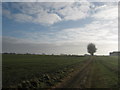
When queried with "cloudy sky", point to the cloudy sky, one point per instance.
{"points": [[59, 27]]}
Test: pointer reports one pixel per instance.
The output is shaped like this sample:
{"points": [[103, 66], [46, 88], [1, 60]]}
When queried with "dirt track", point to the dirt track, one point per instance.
{"points": [[93, 74], [80, 78]]}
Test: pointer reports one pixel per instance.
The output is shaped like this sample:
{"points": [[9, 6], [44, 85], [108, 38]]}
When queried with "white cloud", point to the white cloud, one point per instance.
{"points": [[75, 11], [59, 0], [103, 30], [47, 18], [96, 32], [22, 17], [48, 13], [106, 12], [9, 45]]}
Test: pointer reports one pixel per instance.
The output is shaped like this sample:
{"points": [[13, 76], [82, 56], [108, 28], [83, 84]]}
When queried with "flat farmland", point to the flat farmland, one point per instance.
{"points": [[18, 68], [54, 71]]}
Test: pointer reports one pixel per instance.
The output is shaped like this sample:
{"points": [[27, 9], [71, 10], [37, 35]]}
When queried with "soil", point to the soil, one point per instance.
{"points": [[80, 78]]}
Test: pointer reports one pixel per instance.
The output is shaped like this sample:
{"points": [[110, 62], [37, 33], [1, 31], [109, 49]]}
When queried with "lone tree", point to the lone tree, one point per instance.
{"points": [[91, 48]]}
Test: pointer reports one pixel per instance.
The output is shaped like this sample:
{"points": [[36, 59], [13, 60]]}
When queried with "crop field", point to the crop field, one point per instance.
{"points": [[105, 72], [54, 71]]}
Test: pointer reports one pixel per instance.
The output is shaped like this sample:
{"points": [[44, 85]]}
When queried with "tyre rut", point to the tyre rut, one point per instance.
{"points": [[79, 79]]}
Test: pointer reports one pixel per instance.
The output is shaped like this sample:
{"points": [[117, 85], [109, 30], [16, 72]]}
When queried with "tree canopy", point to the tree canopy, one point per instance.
{"points": [[91, 48]]}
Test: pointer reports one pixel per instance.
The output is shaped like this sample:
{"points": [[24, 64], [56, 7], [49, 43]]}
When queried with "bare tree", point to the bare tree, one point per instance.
{"points": [[91, 48]]}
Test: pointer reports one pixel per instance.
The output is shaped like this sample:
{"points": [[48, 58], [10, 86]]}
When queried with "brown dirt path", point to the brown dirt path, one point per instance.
{"points": [[80, 78]]}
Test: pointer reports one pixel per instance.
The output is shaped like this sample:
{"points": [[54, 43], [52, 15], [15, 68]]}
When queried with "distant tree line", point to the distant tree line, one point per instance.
{"points": [[18, 53], [42, 54]]}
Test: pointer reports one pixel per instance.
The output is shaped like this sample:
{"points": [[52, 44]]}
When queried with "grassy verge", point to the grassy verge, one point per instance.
{"points": [[103, 77], [36, 71]]}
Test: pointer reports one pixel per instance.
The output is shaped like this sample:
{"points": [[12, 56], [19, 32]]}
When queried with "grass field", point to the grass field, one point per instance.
{"points": [[105, 72], [42, 71], [18, 68]]}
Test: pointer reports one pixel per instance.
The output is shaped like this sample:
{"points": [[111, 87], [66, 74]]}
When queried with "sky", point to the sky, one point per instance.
{"points": [[59, 27]]}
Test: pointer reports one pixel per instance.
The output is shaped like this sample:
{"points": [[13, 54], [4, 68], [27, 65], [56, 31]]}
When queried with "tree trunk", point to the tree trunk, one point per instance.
{"points": [[92, 54]]}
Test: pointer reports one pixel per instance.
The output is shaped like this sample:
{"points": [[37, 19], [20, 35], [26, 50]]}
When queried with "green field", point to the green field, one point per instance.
{"points": [[105, 72], [42, 71], [17, 68]]}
